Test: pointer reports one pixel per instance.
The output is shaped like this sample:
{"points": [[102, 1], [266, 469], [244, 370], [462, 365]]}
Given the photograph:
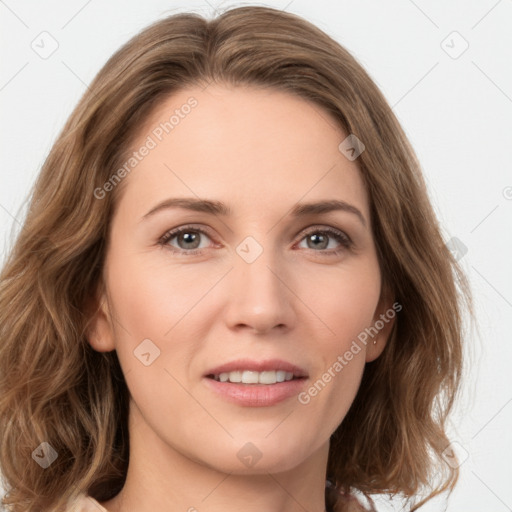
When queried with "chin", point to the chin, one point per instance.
{"points": [[259, 456]]}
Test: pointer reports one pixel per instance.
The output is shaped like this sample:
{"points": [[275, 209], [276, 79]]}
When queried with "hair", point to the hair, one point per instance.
{"points": [[55, 388]]}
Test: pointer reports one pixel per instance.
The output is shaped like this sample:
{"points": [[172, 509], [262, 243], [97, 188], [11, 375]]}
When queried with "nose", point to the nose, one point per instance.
{"points": [[260, 298]]}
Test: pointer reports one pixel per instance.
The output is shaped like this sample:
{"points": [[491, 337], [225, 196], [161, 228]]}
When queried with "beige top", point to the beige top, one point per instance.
{"points": [[86, 504]]}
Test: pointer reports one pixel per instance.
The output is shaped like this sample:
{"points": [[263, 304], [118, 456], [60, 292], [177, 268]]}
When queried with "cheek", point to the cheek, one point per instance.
{"points": [[155, 331], [344, 299], [172, 307], [151, 296]]}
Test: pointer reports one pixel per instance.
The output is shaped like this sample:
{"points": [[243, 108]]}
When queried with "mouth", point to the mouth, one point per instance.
{"points": [[249, 377], [254, 372], [250, 383]]}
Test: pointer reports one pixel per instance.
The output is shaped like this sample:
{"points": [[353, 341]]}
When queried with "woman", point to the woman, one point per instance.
{"points": [[230, 289]]}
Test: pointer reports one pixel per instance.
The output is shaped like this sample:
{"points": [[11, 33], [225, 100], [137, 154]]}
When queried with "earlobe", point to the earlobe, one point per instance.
{"points": [[99, 332], [383, 322]]}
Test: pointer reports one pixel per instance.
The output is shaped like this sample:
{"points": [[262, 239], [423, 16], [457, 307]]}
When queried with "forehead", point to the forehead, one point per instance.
{"points": [[242, 143]]}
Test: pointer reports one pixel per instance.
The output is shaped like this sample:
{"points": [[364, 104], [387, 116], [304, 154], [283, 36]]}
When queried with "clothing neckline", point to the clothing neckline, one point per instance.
{"points": [[86, 503]]}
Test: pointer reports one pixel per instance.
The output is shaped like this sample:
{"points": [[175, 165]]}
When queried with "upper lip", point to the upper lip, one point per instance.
{"points": [[258, 366]]}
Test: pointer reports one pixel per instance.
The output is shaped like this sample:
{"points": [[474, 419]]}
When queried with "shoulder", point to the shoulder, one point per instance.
{"points": [[353, 501], [362, 502], [85, 503]]}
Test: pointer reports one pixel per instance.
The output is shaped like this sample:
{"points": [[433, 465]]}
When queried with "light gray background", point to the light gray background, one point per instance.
{"points": [[455, 107]]}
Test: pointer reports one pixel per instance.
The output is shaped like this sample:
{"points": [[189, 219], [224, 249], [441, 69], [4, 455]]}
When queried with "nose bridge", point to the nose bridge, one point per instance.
{"points": [[258, 274], [259, 297]]}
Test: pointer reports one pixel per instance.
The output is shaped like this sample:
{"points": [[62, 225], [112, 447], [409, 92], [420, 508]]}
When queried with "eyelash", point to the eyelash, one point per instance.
{"points": [[342, 238]]}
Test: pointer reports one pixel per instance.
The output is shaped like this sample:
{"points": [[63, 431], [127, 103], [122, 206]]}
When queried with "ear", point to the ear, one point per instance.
{"points": [[99, 330], [383, 322]]}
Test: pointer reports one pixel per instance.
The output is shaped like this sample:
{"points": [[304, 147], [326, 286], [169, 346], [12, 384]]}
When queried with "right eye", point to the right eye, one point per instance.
{"points": [[187, 240]]}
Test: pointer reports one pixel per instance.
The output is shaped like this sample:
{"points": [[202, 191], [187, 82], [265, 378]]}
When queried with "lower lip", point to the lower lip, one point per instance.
{"points": [[256, 395]]}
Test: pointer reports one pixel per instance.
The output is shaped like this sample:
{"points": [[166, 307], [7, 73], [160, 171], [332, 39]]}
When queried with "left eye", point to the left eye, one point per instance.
{"points": [[320, 239]]}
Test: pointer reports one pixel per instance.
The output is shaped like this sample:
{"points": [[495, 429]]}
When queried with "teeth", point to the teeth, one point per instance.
{"points": [[251, 377], [280, 376]]}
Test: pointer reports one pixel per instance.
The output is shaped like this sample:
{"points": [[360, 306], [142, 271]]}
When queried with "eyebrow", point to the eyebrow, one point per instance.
{"points": [[219, 208]]}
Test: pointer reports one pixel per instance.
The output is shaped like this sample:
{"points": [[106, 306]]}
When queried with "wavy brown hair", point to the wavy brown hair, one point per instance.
{"points": [[55, 388]]}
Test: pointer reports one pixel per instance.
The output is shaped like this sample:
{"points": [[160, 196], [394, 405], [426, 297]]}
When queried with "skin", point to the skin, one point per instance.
{"points": [[260, 152]]}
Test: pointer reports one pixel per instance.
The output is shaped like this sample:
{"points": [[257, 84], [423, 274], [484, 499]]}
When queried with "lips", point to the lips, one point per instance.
{"points": [[250, 383]]}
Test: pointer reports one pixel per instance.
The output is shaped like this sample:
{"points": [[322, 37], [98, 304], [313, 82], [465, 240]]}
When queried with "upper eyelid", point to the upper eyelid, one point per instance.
{"points": [[175, 231]]}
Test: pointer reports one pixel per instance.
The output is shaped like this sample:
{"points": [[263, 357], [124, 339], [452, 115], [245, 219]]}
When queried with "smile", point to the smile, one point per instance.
{"points": [[254, 377]]}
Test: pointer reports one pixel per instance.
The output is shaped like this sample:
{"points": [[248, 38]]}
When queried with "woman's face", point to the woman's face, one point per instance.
{"points": [[256, 275]]}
